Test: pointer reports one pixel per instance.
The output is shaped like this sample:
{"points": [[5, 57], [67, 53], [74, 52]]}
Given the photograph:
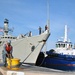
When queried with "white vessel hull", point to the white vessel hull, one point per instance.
{"points": [[22, 47]]}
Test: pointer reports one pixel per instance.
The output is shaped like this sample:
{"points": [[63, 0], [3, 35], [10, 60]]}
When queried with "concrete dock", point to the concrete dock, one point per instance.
{"points": [[33, 70]]}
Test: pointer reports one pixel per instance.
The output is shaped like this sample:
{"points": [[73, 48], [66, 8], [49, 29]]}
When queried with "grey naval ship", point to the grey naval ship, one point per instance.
{"points": [[24, 46]]}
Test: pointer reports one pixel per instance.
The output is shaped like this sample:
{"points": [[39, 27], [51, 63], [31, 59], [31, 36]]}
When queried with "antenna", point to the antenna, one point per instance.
{"points": [[48, 16]]}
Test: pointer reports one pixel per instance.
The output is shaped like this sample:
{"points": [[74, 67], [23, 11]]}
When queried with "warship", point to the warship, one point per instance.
{"points": [[24, 47]]}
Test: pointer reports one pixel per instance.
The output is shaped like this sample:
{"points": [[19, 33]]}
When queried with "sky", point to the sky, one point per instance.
{"points": [[28, 15]]}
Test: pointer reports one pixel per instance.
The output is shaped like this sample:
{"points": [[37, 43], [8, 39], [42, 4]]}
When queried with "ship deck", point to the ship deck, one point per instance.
{"points": [[33, 70]]}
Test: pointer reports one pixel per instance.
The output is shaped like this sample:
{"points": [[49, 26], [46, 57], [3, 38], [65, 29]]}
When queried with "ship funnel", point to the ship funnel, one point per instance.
{"points": [[65, 34]]}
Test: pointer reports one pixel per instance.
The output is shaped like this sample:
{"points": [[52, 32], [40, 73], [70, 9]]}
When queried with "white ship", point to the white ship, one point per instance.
{"points": [[23, 45]]}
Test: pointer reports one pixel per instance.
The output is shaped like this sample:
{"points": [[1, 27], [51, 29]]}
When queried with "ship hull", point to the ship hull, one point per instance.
{"points": [[59, 64], [22, 48], [62, 62]]}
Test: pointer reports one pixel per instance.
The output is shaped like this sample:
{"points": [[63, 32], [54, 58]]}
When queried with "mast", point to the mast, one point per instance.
{"points": [[65, 35], [6, 27], [48, 16]]}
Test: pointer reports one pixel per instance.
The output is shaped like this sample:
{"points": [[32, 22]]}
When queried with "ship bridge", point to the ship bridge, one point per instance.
{"points": [[61, 44]]}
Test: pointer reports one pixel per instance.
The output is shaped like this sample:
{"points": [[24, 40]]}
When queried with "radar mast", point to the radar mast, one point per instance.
{"points": [[6, 27]]}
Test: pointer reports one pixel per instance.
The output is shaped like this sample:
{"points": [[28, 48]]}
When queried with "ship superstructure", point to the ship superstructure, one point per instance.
{"points": [[65, 46]]}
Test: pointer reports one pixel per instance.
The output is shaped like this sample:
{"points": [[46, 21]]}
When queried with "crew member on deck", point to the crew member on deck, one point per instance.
{"points": [[46, 27], [30, 34], [39, 30], [7, 52]]}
